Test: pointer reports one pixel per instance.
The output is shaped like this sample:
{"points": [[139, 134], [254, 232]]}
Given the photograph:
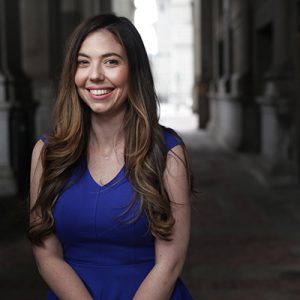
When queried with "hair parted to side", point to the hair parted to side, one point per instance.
{"points": [[145, 149]]}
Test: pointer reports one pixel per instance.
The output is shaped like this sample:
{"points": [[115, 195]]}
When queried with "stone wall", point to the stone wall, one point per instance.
{"points": [[253, 92], [32, 37]]}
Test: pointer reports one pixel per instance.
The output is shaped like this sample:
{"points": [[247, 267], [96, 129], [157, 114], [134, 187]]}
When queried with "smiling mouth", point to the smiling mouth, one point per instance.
{"points": [[100, 92]]}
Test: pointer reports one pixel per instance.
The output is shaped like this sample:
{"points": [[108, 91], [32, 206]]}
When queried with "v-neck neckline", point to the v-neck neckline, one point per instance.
{"points": [[111, 182]]}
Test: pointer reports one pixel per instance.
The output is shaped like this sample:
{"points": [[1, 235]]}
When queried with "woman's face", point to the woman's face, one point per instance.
{"points": [[102, 73]]}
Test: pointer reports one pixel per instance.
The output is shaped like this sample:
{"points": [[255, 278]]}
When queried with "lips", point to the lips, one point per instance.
{"points": [[100, 93]]}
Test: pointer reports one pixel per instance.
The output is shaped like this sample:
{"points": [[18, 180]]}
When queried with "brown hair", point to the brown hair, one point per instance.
{"points": [[145, 149]]}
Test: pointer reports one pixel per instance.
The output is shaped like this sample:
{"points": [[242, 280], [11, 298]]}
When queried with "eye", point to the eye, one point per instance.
{"points": [[82, 62], [112, 62]]}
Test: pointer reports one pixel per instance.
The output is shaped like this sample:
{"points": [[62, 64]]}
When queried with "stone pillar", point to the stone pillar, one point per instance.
{"points": [[240, 47], [203, 58], [226, 109], [196, 13], [74, 11], [105, 6], [94, 7], [213, 124], [42, 52], [18, 107], [296, 55], [224, 82], [278, 91], [71, 15], [238, 68], [277, 100], [7, 179]]}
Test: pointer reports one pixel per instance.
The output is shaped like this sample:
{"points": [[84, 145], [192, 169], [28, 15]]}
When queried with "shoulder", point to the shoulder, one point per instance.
{"points": [[37, 149], [171, 138], [39, 145], [36, 156], [43, 138], [36, 170], [176, 158]]}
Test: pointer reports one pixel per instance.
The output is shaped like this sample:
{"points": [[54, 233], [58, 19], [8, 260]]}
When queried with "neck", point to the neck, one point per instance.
{"points": [[106, 131]]}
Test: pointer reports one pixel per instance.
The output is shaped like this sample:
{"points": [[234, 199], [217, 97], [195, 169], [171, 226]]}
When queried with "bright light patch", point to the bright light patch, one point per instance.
{"points": [[145, 17]]}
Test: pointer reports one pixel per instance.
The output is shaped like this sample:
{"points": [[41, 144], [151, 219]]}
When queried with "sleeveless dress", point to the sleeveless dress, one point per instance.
{"points": [[110, 252]]}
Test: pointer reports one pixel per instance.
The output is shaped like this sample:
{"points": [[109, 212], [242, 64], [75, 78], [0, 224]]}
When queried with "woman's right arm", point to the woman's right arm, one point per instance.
{"points": [[58, 275]]}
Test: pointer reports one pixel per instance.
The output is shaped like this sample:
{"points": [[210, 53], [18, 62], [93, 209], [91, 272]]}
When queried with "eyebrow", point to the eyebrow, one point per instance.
{"points": [[103, 55]]}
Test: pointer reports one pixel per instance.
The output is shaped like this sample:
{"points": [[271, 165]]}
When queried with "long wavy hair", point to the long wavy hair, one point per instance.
{"points": [[66, 144]]}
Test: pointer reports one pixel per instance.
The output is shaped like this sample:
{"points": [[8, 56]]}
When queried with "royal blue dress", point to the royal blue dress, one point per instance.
{"points": [[110, 254]]}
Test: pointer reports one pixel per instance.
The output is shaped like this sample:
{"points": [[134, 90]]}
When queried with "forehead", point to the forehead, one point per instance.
{"points": [[100, 42]]}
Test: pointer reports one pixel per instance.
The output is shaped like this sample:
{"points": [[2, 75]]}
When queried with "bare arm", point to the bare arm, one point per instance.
{"points": [[59, 276], [170, 255]]}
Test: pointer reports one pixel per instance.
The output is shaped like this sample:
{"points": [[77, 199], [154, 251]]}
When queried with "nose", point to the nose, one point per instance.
{"points": [[96, 73]]}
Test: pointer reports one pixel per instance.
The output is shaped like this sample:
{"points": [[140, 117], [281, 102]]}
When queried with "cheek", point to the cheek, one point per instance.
{"points": [[120, 78], [79, 79], [124, 82]]}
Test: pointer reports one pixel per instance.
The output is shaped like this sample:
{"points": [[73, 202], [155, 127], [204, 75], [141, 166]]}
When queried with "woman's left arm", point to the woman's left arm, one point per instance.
{"points": [[170, 255]]}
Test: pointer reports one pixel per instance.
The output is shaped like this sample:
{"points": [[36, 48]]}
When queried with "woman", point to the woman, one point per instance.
{"points": [[110, 187]]}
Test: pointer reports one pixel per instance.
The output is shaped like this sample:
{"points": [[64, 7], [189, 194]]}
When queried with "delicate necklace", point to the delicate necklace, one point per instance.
{"points": [[108, 156]]}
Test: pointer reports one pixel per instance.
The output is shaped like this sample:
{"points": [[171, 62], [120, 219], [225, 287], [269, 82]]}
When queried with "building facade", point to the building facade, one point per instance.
{"points": [[246, 78], [247, 81]]}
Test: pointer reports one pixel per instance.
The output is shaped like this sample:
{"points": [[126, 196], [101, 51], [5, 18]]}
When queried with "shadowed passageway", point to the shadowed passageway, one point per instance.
{"points": [[237, 64], [245, 237]]}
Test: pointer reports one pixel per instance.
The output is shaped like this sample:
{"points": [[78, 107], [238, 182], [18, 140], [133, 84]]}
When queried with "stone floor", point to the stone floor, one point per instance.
{"points": [[245, 242]]}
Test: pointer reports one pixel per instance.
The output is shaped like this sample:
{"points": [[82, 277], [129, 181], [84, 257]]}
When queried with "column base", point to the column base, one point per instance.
{"points": [[226, 119]]}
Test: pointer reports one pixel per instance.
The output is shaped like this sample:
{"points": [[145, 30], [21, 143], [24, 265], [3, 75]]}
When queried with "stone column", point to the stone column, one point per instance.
{"points": [[224, 83], [94, 7], [203, 58], [229, 131], [237, 68], [72, 13], [17, 107], [277, 93], [7, 179], [277, 101], [226, 102], [213, 123], [296, 55], [42, 54], [240, 47], [196, 12]]}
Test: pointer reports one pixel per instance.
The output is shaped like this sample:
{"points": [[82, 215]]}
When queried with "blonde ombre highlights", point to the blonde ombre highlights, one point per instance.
{"points": [[145, 148]]}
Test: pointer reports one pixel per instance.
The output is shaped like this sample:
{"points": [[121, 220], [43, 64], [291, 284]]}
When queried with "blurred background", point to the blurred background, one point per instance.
{"points": [[227, 73]]}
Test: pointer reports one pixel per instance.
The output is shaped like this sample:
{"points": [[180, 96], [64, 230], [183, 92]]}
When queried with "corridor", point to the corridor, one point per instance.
{"points": [[245, 242], [236, 65]]}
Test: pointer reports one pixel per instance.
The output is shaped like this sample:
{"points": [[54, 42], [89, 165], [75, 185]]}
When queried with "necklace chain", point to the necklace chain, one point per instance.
{"points": [[108, 156]]}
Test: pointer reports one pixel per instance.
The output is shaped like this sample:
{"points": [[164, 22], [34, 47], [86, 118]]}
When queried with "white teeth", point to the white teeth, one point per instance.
{"points": [[100, 92]]}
